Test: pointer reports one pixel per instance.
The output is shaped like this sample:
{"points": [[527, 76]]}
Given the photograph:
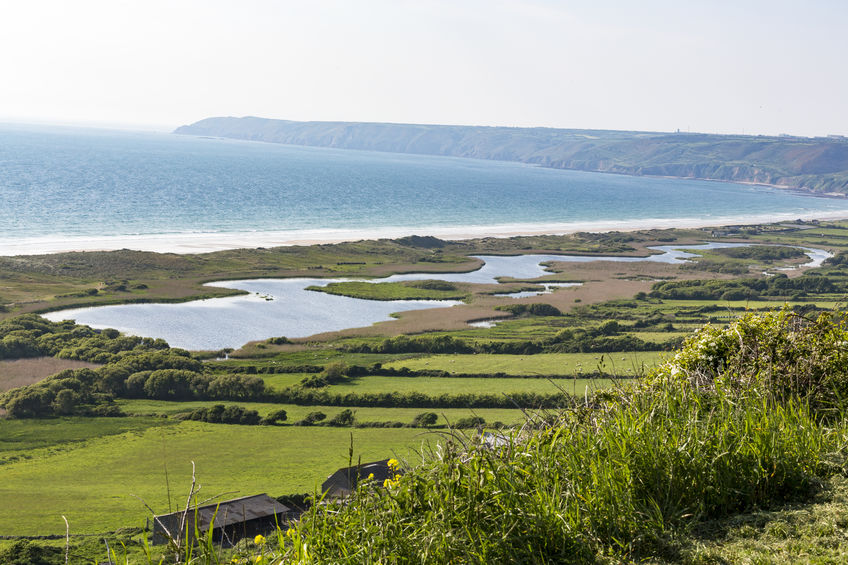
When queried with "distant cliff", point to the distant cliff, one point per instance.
{"points": [[814, 164]]}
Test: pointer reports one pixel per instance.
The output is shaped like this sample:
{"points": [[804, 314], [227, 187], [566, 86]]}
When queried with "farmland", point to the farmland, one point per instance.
{"points": [[370, 384]]}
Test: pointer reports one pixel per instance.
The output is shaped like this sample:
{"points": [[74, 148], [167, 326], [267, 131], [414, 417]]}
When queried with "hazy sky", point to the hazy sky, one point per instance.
{"points": [[758, 66]]}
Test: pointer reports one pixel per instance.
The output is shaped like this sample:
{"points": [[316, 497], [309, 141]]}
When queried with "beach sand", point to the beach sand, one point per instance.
{"points": [[219, 241]]}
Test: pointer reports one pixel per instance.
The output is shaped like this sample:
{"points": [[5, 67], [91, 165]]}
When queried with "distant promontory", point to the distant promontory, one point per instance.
{"points": [[817, 164]]}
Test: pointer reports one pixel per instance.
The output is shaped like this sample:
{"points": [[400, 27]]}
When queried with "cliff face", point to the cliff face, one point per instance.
{"points": [[814, 164]]}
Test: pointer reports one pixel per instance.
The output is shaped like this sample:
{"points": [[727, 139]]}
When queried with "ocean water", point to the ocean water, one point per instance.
{"points": [[86, 188]]}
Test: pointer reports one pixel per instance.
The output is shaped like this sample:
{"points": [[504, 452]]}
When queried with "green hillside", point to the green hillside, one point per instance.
{"points": [[815, 164]]}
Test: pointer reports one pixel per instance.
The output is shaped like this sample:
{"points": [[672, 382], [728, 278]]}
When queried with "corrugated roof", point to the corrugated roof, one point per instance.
{"points": [[233, 511]]}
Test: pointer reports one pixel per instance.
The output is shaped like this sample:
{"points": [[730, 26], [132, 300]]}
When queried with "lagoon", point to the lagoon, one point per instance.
{"points": [[283, 307]]}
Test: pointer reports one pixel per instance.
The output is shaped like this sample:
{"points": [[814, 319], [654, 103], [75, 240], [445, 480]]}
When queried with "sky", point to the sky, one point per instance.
{"points": [[741, 66]]}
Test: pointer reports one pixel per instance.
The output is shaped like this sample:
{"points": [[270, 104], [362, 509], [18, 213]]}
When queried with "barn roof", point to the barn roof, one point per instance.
{"points": [[232, 512], [346, 479]]}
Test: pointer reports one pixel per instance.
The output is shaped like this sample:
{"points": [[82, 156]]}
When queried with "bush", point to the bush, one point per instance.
{"points": [[536, 309], [344, 418], [274, 418], [783, 354], [220, 414], [470, 422], [425, 420], [312, 418]]}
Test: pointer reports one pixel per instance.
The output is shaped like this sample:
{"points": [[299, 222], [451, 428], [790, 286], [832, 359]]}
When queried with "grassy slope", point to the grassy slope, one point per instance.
{"points": [[93, 482], [818, 163]]}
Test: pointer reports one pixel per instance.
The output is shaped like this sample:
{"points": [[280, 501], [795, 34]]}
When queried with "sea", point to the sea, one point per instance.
{"points": [[64, 188]]}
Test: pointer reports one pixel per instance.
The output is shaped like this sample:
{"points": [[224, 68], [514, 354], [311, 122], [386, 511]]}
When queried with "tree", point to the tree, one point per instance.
{"points": [[342, 419], [312, 418], [425, 420], [65, 402], [274, 418]]}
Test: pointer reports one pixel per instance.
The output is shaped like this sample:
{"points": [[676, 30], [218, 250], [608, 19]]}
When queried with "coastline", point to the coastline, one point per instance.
{"points": [[188, 243]]}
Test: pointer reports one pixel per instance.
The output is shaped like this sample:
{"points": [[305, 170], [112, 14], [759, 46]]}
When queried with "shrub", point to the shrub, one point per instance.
{"points": [[312, 418], [470, 422], [275, 417], [425, 420], [342, 419], [782, 353]]}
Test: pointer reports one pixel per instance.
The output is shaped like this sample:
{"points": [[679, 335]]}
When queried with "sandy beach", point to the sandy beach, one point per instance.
{"points": [[219, 241]]}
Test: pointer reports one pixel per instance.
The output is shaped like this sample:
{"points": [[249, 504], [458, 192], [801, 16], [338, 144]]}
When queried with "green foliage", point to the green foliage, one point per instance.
{"points": [[220, 414], [470, 422], [782, 354], [422, 344], [24, 552], [742, 289], [275, 417], [312, 418], [764, 253], [332, 374], [404, 290], [343, 418], [536, 309], [425, 420]]}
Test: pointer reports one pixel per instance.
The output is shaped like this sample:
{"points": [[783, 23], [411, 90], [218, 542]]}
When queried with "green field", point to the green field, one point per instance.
{"points": [[93, 482], [19, 437], [141, 407], [88, 468], [564, 364], [448, 385]]}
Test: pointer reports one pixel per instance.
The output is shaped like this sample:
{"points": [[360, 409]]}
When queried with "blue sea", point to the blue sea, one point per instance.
{"points": [[67, 188]]}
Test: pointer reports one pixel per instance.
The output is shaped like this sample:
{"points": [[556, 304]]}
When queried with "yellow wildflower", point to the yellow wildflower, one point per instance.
{"points": [[259, 540], [392, 463]]}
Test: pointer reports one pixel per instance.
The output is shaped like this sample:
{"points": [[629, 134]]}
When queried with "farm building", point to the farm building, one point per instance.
{"points": [[230, 521], [343, 482]]}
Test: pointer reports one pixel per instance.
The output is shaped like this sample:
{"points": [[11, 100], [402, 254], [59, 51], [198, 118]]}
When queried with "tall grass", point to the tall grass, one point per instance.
{"points": [[619, 480]]}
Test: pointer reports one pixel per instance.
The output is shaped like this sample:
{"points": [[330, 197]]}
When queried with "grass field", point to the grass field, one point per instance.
{"points": [[565, 364], [19, 437], [92, 482], [295, 413], [447, 385]]}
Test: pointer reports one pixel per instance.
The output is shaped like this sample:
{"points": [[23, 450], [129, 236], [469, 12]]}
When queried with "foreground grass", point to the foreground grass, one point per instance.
{"points": [[619, 484], [93, 482], [804, 533]]}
